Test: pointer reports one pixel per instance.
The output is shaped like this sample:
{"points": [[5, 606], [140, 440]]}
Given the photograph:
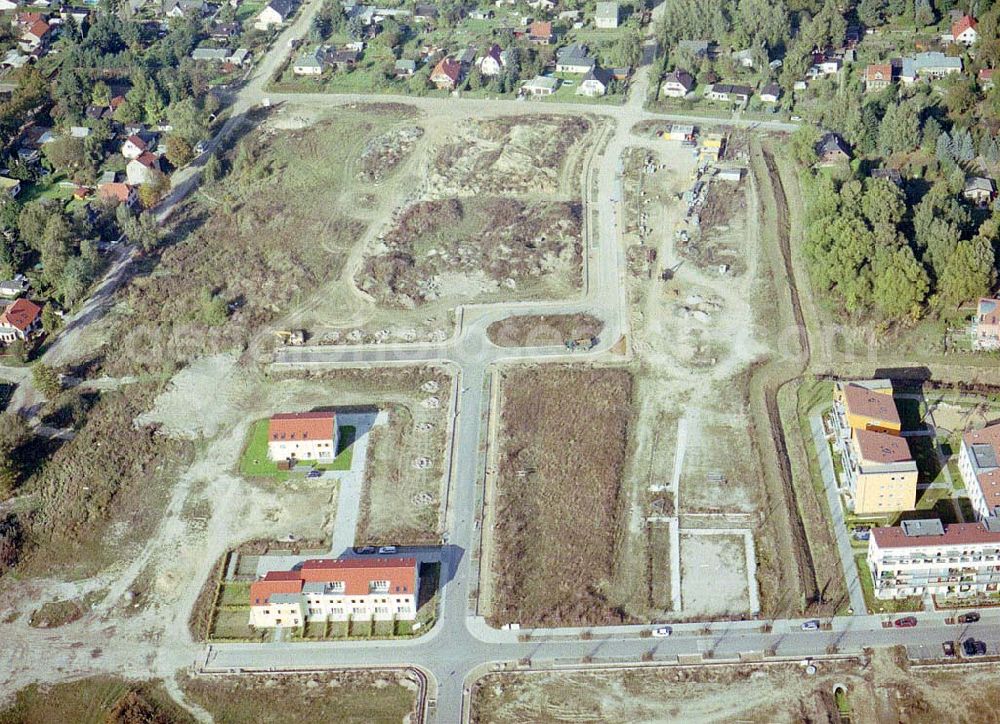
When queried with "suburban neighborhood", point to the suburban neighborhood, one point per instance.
{"points": [[415, 361]]}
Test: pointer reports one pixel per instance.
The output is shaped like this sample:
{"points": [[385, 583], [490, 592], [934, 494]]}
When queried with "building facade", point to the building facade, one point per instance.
{"points": [[303, 436], [880, 475], [921, 557], [986, 325], [336, 589], [979, 463]]}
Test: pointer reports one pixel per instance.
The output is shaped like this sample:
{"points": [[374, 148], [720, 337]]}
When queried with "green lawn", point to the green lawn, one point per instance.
{"points": [[875, 605], [255, 462], [235, 593]]}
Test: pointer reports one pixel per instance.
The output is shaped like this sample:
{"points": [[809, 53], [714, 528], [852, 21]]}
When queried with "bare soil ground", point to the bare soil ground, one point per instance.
{"points": [[485, 245], [563, 436], [881, 689], [355, 697], [703, 589], [535, 330]]}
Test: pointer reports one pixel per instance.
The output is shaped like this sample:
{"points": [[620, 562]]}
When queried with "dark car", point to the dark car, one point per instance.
{"points": [[314, 474], [364, 550], [971, 647], [970, 617], [949, 649], [905, 622]]}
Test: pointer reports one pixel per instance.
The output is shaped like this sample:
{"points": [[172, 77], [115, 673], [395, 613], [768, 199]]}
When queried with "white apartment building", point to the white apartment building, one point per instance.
{"points": [[979, 463], [302, 436], [336, 589], [922, 557]]}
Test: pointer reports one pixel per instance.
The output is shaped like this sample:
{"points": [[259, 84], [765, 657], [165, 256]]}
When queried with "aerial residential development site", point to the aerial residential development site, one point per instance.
{"points": [[499, 361]]}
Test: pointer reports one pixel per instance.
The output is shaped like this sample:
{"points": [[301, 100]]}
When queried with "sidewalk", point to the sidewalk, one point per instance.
{"points": [[837, 517]]}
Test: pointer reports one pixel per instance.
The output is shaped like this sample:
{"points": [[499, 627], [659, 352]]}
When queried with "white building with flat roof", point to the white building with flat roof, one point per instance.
{"points": [[920, 557]]}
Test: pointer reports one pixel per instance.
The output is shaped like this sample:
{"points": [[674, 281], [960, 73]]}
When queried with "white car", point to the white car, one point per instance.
{"points": [[387, 549], [662, 632], [811, 625]]}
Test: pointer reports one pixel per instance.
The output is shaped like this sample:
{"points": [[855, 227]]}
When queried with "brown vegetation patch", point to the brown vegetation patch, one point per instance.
{"points": [[498, 241], [559, 509], [97, 700], [529, 330], [350, 697]]}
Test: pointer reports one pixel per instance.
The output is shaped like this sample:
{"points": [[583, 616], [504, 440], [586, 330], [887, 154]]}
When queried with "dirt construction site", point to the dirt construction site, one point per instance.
{"points": [[482, 210], [877, 689]]}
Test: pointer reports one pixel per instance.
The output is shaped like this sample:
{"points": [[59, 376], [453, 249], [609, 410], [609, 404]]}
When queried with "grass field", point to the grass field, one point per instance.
{"points": [[254, 461], [563, 443], [343, 697], [98, 700]]}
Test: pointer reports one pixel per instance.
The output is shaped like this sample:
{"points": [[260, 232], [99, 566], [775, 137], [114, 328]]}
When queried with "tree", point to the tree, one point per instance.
{"points": [[45, 379], [214, 310], [761, 22], [50, 320], [923, 13], [803, 144], [627, 50], [900, 130], [179, 151], [66, 154], [355, 27], [212, 170], [871, 12], [968, 272], [143, 231], [188, 121], [883, 202], [901, 283], [56, 248], [101, 94], [150, 193]]}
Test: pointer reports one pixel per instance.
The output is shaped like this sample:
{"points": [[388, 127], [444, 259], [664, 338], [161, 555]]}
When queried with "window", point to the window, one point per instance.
{"points": [[378, 586]]}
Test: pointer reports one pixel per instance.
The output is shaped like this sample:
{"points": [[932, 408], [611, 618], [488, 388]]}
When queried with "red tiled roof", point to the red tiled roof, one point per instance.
{"points": [[878, 71], [954, 534], [39, 29], [119, 191], [21, 315], [540, 29], [137, 142], [876, 405], [28, 18], [358, 573], [879, 447], [448, 67], [302, 426], [962, 24], [986, 73], [274, 582], [148, 159]]}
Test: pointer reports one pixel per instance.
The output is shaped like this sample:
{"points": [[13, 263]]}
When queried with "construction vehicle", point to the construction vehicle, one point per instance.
{"points": [[291, 337], [581, 343]]}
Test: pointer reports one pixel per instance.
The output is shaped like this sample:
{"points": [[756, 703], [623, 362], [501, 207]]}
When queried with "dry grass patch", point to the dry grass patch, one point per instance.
{"points": [[528, 330], [98, 700], [347, 697], [559, 508]]}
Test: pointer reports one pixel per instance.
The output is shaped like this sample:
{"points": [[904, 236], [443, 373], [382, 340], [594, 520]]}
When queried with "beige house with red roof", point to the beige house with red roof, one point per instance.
{"points": [[927, 557], [336, 589], [965, 31], [878, 76], [446, 74], [880, 474], [21, 320], [979, 463], [302, 436]]}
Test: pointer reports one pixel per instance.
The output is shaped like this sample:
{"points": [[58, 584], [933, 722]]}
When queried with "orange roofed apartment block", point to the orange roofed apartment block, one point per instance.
{"points": [[336, 589], [880, 475], [302, 436]]}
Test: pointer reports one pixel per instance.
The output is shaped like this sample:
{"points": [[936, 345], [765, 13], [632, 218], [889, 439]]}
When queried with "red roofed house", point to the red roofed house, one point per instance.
{"points": [[121, 192], [964, 31], [927, 557], [986, 78], [302, 436], [20, 320], [134, 147], [142, 169], [541, 32], [36, 35], [878, 76], [336, 589], [986, 324], [446, 74]]}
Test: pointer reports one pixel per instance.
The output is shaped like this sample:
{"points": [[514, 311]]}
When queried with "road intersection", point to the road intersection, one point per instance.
{"points": [[461, 643]]}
